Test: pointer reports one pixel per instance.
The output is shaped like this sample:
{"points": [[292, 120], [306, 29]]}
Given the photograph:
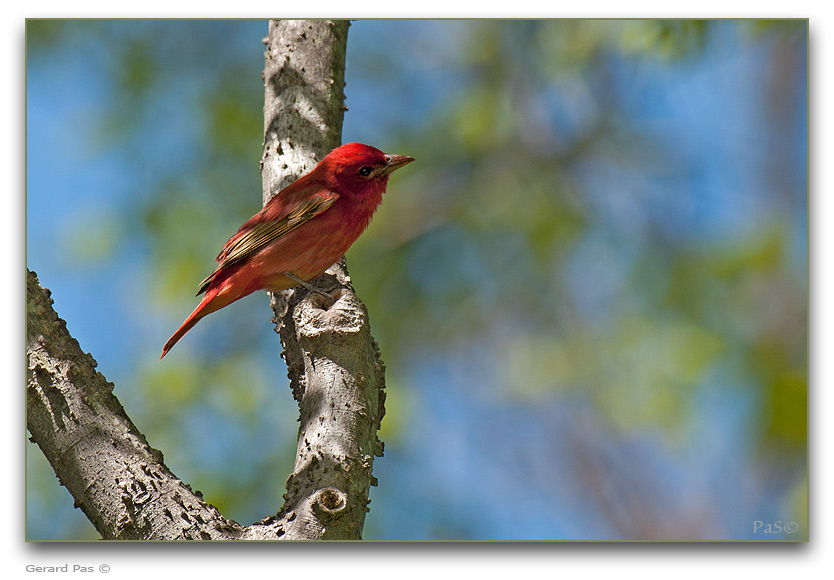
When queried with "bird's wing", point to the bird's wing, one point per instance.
{"points": [[259, 232]]}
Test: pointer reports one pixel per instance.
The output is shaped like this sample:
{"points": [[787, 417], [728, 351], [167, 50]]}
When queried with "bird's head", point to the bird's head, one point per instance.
{"points": [[356, 169]]}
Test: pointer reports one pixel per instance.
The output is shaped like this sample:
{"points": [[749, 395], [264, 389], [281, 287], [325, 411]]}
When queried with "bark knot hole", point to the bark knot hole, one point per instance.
{"points": [[325, 302], [330, 501]]}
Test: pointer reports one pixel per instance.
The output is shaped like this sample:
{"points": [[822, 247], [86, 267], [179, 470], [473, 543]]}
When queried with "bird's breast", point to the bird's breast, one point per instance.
{"points": [[315, 245]]}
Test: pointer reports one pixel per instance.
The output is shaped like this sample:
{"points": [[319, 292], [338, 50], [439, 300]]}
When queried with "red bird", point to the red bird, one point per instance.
{"points": [[303, 230]]}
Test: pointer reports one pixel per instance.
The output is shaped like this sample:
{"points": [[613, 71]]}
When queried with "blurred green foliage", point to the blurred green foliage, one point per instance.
{"points": [[531, 237]]}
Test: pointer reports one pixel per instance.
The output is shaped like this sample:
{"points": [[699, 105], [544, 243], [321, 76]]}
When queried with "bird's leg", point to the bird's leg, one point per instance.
{"points": [[307, 286]]}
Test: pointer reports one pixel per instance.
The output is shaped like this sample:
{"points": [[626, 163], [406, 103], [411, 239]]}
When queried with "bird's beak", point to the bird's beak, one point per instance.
{"points": [[394, 162]]}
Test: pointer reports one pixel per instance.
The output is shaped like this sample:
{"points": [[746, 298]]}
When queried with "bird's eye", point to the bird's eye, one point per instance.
{"points": [[365, 171]]}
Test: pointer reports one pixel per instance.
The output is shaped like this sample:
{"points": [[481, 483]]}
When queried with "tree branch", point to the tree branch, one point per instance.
{"points": [[116, 478], [333, 361]]}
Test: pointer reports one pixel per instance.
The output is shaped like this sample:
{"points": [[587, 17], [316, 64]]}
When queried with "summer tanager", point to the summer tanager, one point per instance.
{"points": [[303, 230]]}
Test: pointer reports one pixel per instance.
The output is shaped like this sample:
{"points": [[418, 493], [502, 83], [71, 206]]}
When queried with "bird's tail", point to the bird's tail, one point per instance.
{"points": [[210, 303]]}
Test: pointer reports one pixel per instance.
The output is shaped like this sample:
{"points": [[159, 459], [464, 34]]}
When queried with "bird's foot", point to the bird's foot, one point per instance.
{"points": [[312, 289]]}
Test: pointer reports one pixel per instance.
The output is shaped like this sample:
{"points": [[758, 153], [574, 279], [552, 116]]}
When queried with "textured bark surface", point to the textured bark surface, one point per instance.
{"points": [[336, 374], [116, 478], [334, 366], [304, 96]]}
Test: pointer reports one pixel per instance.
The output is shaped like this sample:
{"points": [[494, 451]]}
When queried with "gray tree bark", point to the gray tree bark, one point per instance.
{"points": [[335, 371], [115, 477], [334, 366]]}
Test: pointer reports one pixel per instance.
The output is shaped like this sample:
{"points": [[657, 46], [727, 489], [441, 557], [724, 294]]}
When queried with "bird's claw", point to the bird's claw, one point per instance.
{"points": [[310, 288]]}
